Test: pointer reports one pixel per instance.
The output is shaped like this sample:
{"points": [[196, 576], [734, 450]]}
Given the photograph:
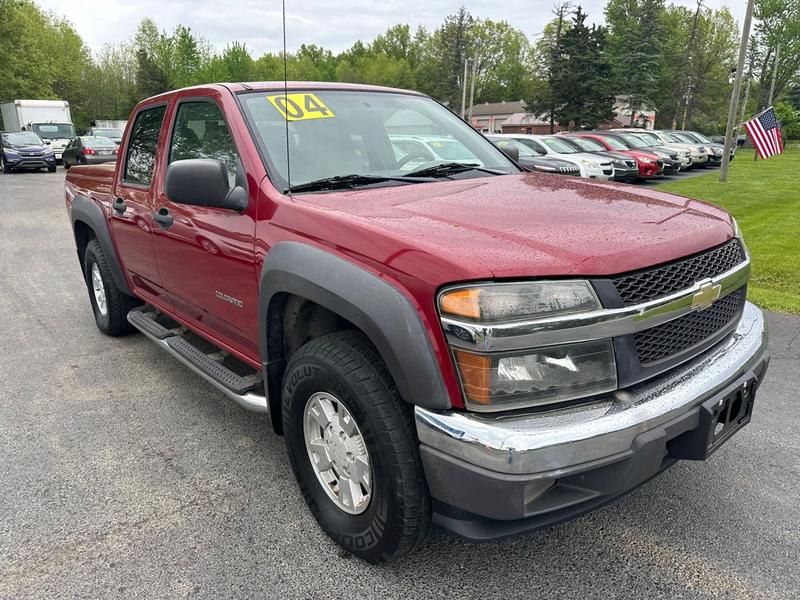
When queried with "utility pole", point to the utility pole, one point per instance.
{"points": [[464, 88], [472, 85], [685, 64], [559, 11], [774, 75], [744, 100], [737, 82]]}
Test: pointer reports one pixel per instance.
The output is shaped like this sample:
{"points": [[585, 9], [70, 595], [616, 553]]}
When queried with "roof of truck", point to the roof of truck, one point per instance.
{"points": [[272, 86]]}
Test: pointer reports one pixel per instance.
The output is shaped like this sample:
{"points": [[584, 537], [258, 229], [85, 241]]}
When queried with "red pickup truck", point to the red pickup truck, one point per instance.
{"points": [[440, 337]]}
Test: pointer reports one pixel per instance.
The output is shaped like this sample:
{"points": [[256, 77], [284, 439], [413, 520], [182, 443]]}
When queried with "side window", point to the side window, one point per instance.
{"points": [[201, 132], [141, 158]]}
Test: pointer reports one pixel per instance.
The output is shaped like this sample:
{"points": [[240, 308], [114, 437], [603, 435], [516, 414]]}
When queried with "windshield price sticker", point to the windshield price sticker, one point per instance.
{"points": [[300, 107]]}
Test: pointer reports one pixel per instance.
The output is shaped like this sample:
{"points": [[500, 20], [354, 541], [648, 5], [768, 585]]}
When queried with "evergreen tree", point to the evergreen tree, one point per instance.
{"points": [[582, 76]]}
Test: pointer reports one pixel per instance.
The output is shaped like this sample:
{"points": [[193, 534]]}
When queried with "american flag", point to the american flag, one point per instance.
{"points": [[765, 133]]}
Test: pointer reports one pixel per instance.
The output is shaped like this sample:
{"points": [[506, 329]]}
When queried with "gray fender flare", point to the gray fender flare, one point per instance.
{"points": [[378, 309], [86, 210]]}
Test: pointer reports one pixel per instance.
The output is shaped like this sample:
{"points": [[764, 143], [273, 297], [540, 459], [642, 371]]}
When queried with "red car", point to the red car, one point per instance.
{"points": [[650, 165], [441, 340]]}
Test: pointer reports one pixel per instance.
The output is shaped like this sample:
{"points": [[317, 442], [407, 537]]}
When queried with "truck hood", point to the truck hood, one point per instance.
{"points": [[522, 225]]}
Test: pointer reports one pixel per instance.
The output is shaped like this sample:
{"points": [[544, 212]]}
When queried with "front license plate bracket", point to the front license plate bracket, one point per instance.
{"points": [[719, 418]]}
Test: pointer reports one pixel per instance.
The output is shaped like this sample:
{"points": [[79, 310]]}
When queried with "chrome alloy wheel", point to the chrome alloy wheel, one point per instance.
{"points": [[99, 290], [337, 452]]}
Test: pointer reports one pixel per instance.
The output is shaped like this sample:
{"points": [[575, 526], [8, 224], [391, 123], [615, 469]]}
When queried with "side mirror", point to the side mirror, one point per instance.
{"points": [[203, 182], [47, 142], [508, 148]]}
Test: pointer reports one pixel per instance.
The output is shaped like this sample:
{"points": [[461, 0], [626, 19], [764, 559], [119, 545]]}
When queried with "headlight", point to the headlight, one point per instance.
{"points": [[534, 377], [514, 301], [9, 151], [493, 381], [48, 151]]}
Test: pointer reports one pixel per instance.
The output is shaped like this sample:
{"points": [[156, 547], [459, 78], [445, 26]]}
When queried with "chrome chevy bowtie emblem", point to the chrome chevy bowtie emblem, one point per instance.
{"points": [[706, 296]]}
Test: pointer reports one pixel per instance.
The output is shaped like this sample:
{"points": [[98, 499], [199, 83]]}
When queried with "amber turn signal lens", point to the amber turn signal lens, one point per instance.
{"points": [[476, 374], [462, 303]]}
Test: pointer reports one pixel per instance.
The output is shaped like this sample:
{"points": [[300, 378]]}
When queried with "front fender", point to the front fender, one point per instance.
{"points": [[383, 313]]}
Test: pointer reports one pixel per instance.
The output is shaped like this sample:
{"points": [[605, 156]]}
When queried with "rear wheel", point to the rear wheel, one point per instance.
{"points": [[109, 304], [353, 448]]}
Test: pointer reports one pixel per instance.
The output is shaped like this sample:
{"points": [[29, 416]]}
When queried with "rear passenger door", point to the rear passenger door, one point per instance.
{"points": [[132, 202], [207, 254]]}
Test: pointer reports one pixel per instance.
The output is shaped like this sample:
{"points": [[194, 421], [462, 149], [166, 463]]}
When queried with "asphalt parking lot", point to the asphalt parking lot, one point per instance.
{"points": [[124, 475]]}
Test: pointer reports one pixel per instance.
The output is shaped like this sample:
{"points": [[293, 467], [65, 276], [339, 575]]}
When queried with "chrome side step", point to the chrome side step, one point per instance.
{"points": [[247, 391]]}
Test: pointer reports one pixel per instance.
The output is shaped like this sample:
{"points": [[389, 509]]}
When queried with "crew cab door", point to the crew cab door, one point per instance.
{"points": [[132, 202], [206, 254]]}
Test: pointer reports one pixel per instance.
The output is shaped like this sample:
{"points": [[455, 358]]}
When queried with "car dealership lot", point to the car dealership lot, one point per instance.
{"points": [[123, 474]]}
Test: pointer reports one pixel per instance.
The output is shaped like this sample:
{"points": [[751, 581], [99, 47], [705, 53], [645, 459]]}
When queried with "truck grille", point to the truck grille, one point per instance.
{"points": [[642, 286], [684, 332]]}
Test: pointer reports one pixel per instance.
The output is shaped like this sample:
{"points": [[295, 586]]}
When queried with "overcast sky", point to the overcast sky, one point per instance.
{"points": [[332, 24]]}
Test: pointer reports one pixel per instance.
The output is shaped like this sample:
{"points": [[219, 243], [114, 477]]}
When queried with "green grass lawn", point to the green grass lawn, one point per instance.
{"points": [[764, 196]]}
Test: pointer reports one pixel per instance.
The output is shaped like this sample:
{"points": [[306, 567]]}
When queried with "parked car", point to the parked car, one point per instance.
{"points": [[89, 150], [415, 150], [692, 137], [649, 165], [652, 138], [673, 159], [476, 347], [720, 139], [625, 167], [530, 160], [25, 150], [591, 166], [114, 135]]}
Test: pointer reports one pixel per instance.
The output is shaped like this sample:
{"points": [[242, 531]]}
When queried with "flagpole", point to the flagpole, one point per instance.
{"points": [[737, 81]]}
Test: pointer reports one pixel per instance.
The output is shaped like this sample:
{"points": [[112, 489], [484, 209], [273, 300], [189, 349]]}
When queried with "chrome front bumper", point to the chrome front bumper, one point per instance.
{"points": [[547, 442]]}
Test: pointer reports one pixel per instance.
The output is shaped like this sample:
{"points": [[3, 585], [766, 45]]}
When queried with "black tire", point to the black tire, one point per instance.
{"points": [[51, 169], [114, 322], [66, 166], [3, 166], [397, 518]]}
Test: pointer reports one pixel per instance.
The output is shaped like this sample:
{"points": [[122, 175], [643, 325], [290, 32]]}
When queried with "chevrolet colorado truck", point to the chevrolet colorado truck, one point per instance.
{"points": [[460, 343]]}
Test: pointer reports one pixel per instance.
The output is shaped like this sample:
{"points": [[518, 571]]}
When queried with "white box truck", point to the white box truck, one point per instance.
{"points": [[51, 120]]}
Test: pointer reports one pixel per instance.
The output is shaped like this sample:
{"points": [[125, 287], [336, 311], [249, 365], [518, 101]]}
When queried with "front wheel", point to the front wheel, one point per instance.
{"points": [[3, 166], [353, 449], [109, 304]]}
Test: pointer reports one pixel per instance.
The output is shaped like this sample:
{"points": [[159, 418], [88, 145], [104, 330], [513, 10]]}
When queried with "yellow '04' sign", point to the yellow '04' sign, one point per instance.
{"points": [[300, 106]]}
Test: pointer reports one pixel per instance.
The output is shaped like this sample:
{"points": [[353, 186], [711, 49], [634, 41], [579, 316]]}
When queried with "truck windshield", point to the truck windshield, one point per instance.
{"points": [[23, 138], [338, 133], [54, 131]]}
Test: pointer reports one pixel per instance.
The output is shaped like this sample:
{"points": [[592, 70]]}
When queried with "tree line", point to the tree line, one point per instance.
{"points": [[669, 58]]}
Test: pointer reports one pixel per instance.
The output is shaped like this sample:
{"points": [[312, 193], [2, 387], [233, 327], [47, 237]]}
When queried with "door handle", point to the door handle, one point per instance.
{"points": [[119, 206], [163, 218]]}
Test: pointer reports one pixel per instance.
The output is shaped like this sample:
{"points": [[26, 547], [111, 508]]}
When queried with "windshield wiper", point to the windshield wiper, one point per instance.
{"points": [[451, 168], [350, 181]]}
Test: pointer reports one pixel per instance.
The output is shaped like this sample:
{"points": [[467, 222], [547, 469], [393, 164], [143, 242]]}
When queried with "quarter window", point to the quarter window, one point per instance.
{"points": [[141, 158], [201, 132]]}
